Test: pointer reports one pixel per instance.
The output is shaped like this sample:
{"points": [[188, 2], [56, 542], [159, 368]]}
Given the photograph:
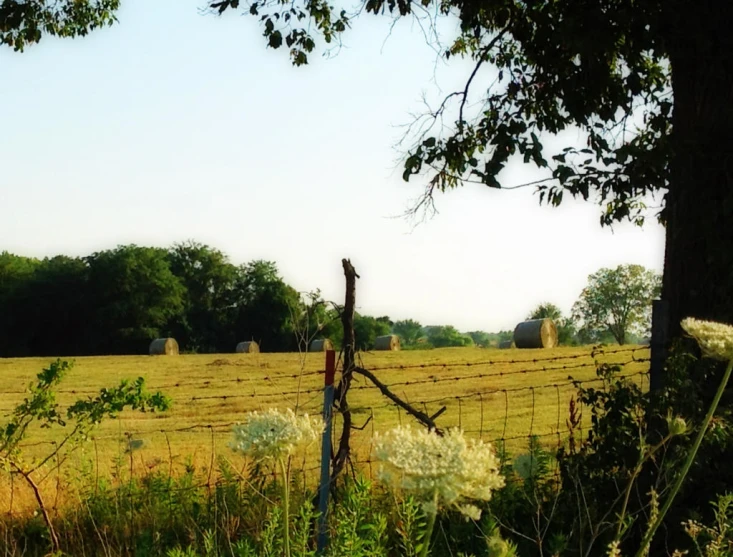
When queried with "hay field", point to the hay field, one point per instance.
{"points": [[490, 393]]}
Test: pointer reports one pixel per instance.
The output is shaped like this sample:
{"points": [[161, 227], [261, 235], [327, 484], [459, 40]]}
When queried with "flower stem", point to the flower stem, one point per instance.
{"points": [[643, 549], [637, 470], [430, 526], [286, 507]]}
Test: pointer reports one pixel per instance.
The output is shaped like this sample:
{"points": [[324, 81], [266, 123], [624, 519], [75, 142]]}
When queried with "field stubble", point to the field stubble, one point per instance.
{"points": [[491, 394]]}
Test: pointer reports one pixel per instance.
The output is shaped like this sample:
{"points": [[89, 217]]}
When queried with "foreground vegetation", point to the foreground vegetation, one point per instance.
{"points": [[209, 393], [599, 492]]}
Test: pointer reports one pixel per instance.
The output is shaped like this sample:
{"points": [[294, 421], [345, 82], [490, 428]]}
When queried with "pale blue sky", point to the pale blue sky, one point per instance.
{"points": [[174, 125]]}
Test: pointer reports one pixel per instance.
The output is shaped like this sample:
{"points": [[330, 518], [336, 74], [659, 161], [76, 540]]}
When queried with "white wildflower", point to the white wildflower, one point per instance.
{"points": [[692, 528], [429, 507], [613, 549], [498, 547], [715, 339], [470, 511], [274, 434], [446, 470]]}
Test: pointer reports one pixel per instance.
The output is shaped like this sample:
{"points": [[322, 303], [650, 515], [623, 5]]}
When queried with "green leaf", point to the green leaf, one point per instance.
{"points": [[275, 40]]}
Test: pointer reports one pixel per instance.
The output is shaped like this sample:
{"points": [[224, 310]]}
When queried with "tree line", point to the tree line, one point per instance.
{"points": [[614, 307], [116, 301]]}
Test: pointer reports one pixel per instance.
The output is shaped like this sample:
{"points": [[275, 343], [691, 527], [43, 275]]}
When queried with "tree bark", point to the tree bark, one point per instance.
{"points": [[698, 263]]}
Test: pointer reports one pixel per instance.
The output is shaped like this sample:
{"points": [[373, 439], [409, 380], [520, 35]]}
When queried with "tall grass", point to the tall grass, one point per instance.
{"points": [[237, 514]]}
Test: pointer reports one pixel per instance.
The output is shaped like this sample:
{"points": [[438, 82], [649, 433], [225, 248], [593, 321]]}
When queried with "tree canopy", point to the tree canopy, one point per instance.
{"points": [[24, 22], [116, 301], [209, 300], [134, 295], [619, 301], [625, 73], [447, 335], [546, 310], [409, 331], [367, 329]]}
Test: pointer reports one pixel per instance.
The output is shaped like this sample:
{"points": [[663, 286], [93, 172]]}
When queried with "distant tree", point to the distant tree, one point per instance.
{"points": [[263, 306], [135, 297], [505, 335], [15, 272], [546, 310], [619, 301], [57, 307], [480, 338], [367, 329], [447, 335], [385, 319], [312, 317], [497, 338], [333, 328], [408, 330], [43, 306], [209, 279], [586, 335], [566, 331], [566, 328]]}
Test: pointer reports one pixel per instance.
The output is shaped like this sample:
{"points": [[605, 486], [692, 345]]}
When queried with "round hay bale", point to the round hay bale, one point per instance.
{"points": [[321, 345], [387, 342], [164, 347], [504, 344], [536, 333], [247, 347]]}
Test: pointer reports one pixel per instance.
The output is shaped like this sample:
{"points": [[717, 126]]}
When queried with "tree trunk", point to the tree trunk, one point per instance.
{"points": [[698, 263]]}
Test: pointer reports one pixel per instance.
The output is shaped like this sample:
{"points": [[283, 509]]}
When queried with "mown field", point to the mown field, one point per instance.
{"points": [[492, 394]]}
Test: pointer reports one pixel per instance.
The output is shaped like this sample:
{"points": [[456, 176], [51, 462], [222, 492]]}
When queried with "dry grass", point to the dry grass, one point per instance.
{"points": [[211, 392]]}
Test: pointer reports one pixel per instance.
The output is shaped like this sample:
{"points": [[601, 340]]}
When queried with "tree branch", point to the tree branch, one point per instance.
{"points": [[423, 418], [39, 498], [482, 59]]}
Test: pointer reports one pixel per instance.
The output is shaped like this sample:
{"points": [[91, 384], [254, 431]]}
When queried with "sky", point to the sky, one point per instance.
{"points": [[176, 125]]}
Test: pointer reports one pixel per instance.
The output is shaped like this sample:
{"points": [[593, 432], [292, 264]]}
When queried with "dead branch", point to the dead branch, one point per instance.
{"points": [[422, 417], [39, 499], [340, 402]]}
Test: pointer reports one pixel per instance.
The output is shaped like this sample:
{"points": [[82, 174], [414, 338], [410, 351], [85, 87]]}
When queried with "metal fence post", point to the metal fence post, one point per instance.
{"points": [[658, 344], [324, 487]]}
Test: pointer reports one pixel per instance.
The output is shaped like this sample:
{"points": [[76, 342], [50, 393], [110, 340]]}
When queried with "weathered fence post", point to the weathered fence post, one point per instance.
{"points": [[658, 344], [324, 487]]}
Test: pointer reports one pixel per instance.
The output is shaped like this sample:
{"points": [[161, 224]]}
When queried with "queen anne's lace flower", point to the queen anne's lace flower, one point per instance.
{"points": [[470, 511], [442, 471], [274, 434], [715, 339]]}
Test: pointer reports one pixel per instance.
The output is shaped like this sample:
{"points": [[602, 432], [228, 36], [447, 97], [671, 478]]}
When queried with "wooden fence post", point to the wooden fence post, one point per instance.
{"points": [[324, 487], [658, 344]]}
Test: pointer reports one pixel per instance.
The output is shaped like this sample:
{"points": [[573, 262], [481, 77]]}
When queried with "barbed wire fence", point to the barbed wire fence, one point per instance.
{"points": [[504, 399], [506, 407]]}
